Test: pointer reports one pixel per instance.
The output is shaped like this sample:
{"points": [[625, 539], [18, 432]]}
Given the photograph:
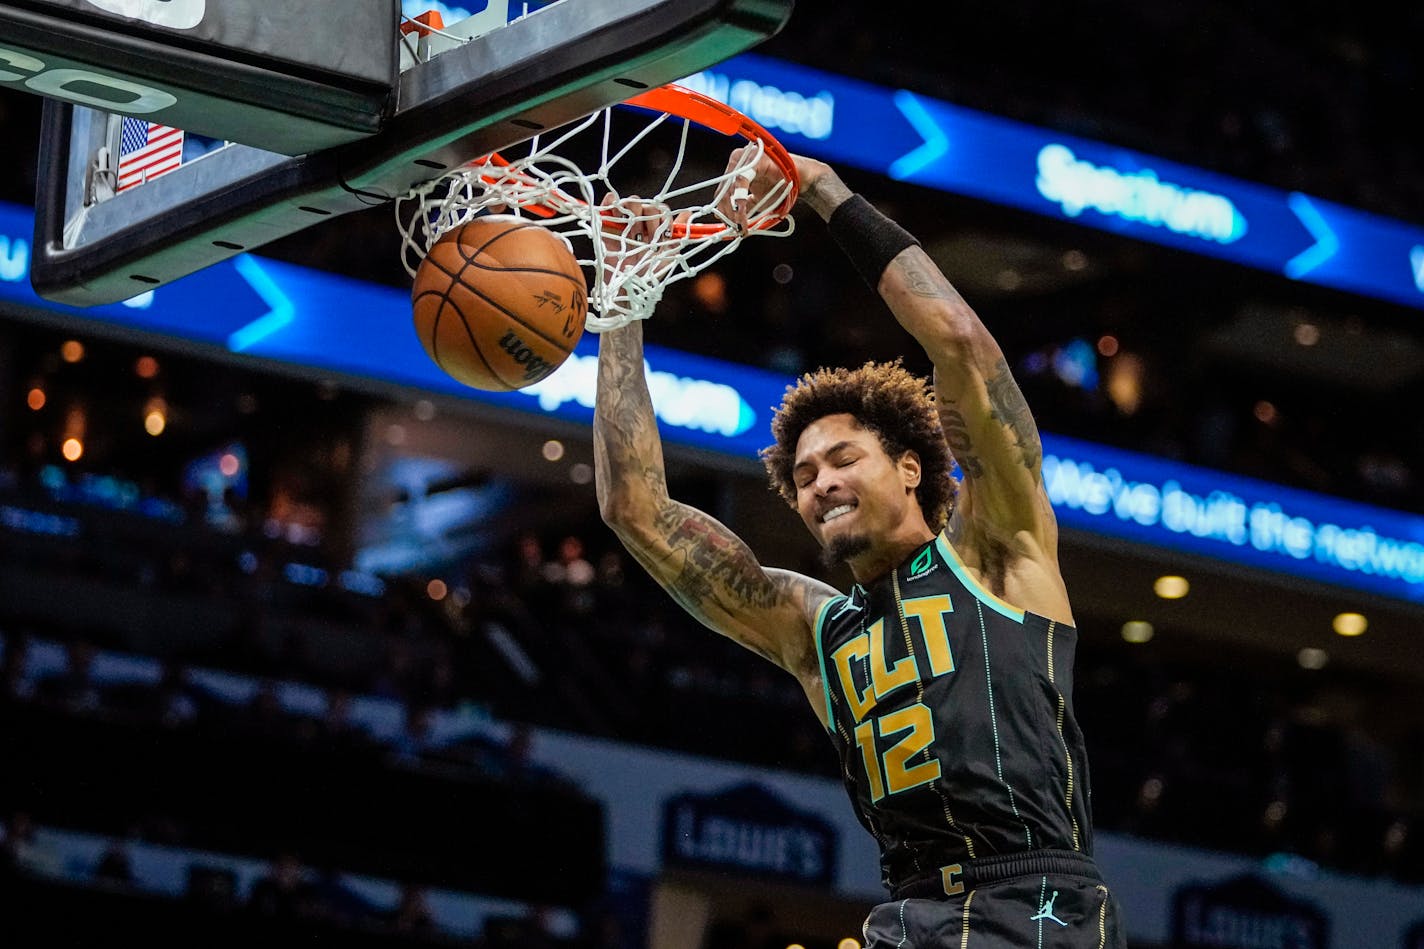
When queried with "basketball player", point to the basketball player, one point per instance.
{"points": [[944, 677]]}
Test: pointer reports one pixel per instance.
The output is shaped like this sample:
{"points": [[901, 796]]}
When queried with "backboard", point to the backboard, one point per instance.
{"points": [[483, 83], [259, 73]]}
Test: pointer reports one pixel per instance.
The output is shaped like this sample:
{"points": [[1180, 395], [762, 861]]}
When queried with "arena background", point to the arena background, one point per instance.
{"points": [[313, 652]]}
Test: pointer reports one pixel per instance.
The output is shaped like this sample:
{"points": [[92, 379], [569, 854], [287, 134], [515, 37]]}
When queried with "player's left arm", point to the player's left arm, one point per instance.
{"points": [[985, 418], [983, 413]]}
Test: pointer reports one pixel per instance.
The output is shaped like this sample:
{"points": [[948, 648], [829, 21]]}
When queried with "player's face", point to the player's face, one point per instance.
{"points": [[849, 492]]}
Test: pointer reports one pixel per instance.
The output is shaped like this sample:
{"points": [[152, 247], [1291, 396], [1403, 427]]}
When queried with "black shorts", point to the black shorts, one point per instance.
{"points": [[1057, 910]]}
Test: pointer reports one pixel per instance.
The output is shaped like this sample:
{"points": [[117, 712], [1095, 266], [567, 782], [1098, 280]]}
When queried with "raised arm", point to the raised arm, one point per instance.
{"points": [[984, 415], [704, 566]]}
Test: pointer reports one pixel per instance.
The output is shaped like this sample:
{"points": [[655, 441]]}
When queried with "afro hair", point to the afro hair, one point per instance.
{"points": [[886, 399]]}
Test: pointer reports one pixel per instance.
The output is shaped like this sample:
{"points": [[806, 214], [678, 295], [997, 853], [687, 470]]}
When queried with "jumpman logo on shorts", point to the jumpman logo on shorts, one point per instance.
{"points": [[1046, 911]]}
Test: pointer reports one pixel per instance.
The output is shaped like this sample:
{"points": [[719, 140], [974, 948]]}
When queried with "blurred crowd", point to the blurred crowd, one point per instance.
{"points": [[1241, 757], [561, 630]]}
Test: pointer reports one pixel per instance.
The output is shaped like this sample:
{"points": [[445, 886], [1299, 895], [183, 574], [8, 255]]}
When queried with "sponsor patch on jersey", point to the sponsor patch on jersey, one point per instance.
{"points": [[923, 565]]}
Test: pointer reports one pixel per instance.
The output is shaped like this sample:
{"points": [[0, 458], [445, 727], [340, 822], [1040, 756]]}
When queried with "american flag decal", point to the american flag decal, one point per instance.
{"points": [[147, 151]]}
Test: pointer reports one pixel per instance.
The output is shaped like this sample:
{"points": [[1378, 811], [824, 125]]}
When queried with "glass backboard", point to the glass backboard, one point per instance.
{"points": [[484, 82]]}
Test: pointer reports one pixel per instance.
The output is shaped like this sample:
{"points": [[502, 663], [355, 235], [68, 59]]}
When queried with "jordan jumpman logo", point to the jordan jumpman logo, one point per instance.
{"points": [[1046, 911]]}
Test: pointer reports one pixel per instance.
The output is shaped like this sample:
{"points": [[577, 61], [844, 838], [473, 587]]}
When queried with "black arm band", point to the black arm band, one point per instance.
{"points": [[870, 239]]}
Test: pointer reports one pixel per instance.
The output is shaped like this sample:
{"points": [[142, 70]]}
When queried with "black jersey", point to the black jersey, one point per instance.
{"points": [[953, 715]]}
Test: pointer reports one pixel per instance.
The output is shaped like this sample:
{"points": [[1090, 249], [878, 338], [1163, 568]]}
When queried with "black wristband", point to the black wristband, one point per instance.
{"points": [[870, 239]]}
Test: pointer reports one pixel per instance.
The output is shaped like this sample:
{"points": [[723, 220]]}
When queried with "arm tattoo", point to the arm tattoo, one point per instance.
{"points": [[706, 568], [1010, 409], [709, 569], [826, 194], [626, 448], [716, 566], [923, 279], [956, 432]]}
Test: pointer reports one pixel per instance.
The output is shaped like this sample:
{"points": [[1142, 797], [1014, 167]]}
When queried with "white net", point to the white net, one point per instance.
{"points": [[632, 245]]}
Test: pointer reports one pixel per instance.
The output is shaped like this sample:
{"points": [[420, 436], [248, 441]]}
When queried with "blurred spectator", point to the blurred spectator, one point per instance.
{"points": [[569, 565], [398, 677], [337, 730], [534, 931], [23, 849], [442, 688], [573, 576], [614, 597], [212, 888], [412, 913], [264, 716], [15, 682], [176, 700], [14, 833], [282, 893], [417, 737], [754, 929], [74, 688], [329, 898], [526, 575], [260, 646], [115, 866], [519, 752], [606, 931]]}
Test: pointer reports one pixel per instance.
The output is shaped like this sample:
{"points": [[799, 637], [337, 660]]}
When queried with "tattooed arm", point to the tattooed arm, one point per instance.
{"points": [[985, 418], [704, 566]]}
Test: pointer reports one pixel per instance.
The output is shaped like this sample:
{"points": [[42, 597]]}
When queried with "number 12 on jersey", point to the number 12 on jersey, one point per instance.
{"points": [[891, 772]]}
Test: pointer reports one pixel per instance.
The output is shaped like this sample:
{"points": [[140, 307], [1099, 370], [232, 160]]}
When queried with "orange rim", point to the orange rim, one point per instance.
{"points": [[719, 117]]}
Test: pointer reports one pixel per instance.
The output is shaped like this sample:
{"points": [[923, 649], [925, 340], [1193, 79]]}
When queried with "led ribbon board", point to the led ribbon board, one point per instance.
{"points": [[265, 308], [928, 142], [1226, 517], [297, 316]]}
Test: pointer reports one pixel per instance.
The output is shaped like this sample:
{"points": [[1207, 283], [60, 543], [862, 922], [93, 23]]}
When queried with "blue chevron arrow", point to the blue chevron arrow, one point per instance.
{"points": [[936, 142], [1326, 242], [280, 309]]}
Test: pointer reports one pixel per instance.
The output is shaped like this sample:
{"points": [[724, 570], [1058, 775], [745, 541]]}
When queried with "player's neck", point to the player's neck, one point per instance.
{"points": [[878, 561]]}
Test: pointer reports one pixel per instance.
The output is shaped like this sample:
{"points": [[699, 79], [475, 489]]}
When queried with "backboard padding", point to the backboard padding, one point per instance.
{"points": [[249, 71]]}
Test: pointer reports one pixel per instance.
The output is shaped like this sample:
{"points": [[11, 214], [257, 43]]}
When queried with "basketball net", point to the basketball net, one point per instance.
{"points": [[688, 225]]}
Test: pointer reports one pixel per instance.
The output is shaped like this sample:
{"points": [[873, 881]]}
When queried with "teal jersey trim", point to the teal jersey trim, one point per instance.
{"points": [[821, 658], [951, 560]]}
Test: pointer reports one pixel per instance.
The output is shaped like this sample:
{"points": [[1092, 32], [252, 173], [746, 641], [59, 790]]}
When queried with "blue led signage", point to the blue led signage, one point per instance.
{"points": [[278, 311], [264, 308], [929, 142], [1200, 511]]}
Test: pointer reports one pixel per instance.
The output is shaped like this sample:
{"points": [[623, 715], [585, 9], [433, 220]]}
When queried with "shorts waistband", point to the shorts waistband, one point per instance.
{"points": [[958, 878]]}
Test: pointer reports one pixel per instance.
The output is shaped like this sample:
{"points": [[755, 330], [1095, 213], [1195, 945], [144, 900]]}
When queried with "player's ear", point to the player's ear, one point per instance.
{"points": [[910, 468]]}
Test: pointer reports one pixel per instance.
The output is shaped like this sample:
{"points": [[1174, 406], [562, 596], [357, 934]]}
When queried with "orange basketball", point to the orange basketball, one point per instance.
{"points": [[499, 302]]}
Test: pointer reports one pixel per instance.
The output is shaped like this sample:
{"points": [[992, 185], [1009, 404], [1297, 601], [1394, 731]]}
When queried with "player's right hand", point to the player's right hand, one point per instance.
{"points": [[739, 194]]}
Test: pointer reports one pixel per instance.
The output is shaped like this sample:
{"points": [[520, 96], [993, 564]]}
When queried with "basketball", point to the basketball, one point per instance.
{"points": [[499, 302]]}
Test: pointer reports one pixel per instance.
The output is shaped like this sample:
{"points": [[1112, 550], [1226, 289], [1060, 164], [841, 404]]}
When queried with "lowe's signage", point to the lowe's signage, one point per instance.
{"points": [[1245, 913], [929, 142], [750, 829], [276, 311]]}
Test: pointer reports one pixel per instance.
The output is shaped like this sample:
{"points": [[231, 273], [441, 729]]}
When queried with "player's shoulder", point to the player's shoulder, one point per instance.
{"points": [[806, 597], [807, 594], [1012, 570]]}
